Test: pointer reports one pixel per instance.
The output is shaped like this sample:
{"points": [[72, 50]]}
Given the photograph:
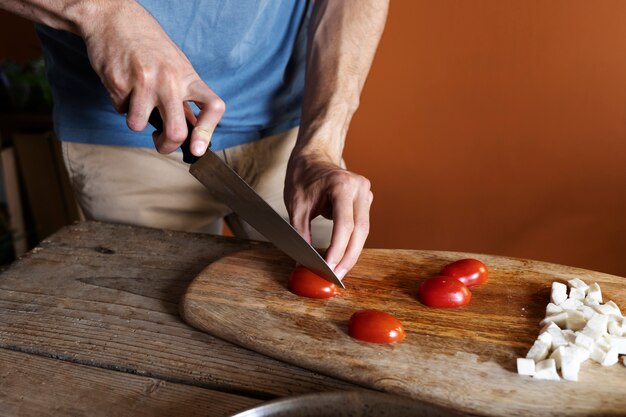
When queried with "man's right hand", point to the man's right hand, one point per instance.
{"points": [[142, 68]]}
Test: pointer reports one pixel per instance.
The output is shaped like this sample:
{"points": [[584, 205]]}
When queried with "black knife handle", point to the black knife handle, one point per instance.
{"points": [[157, 122]]}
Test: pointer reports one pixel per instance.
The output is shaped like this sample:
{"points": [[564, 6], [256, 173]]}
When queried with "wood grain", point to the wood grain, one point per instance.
{"points": [[107, 296], [459, 358], [36, 386]]}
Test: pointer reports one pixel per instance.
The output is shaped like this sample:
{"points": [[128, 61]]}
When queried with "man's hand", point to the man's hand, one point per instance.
{"points": [[342, 41], [142, 69], [316, 186]]}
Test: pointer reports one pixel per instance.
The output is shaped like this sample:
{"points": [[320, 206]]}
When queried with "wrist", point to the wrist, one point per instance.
{"points": [[87, 16]]}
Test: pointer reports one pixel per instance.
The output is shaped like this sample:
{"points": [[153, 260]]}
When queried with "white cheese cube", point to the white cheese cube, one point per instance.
{"points": [[539, 351], [608, 309], [578, 284], [584, 341], [597, 326], [582, 353], [525, 366], [558, 338], [598, 354], [560, 319], [569, 335], [615, 328], [575, 320], [610, 358], [571, 304], [546, 338], [594, 295], [570, 363], [546, 369], [577, 294], [618, 343], [559, 293], [587, 311], [556, 355], [617, 311], [552, 308], [548, 326]]}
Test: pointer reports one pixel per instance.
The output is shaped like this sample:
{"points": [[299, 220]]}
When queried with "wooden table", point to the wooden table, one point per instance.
{"points": [[89, 325]]}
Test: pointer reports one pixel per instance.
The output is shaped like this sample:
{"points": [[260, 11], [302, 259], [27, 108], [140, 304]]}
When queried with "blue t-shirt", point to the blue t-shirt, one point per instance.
{"points": [[250, 52]]}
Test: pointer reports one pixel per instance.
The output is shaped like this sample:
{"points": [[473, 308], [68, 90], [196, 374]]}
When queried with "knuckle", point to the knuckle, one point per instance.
{"points": [[217, 106], [177, 133]]}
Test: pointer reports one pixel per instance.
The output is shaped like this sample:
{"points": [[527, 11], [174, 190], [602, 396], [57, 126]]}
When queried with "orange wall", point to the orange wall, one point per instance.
{"points": [[490, 126], [499, 127]]}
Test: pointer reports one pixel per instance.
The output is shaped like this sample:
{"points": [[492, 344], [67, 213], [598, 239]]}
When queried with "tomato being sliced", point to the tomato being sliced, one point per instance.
{"points": [[306, 283], [444, 292], [469, 271], [375, 326]]}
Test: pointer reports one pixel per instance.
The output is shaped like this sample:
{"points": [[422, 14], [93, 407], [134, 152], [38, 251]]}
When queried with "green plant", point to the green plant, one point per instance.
{"points": [[24, 87]]}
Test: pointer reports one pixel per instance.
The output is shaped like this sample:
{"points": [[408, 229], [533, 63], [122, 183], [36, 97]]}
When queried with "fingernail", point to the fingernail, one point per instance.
{"points": [[332, 266], [199, 147], [341, 273]]}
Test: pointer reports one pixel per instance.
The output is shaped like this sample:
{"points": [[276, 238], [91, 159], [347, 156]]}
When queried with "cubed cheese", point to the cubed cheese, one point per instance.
{"points": [[608, 309], [570, 363], [571, 304], [610, 358], [618, 343], [578, 284], [525, 366], [582, 353], [596, 326], [598, 354], [559, 293], [558, 338], [577, 294], [615, 328], [587, 311], [559, 319], [556, 355], [584, 341], [575, 320], [545, 337], [552, 308], [539, 351], [594, 295], [546, 369]]}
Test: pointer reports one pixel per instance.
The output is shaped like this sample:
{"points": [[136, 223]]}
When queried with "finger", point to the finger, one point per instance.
{"points": [[212, 108], [343, 225], [301, 221], [174, 126], [140, 107], [359, 235], [189, 114]]}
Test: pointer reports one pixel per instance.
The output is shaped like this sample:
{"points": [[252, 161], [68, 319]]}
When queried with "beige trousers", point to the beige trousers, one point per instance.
{"points": [[139, 186]]}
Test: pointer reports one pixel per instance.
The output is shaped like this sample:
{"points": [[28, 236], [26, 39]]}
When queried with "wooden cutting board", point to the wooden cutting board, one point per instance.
{"points": [[460, 358]]}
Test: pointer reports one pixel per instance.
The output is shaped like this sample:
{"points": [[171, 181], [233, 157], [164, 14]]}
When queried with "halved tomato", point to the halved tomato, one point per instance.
{"points": [[469, 271], [444, 292], [306, 283], [375, 326]]}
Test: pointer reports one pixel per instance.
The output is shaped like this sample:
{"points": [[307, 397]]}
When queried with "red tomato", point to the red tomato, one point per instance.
{"points": [[306, 283], [444, 292], [469, 271], [375, 326]]}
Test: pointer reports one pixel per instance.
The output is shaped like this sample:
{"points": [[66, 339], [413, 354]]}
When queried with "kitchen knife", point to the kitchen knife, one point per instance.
{"points": [[228, 187]]}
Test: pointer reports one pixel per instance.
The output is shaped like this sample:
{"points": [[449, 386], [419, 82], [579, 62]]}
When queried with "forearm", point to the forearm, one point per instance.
{"points": [[343, 38], [76, 16]]}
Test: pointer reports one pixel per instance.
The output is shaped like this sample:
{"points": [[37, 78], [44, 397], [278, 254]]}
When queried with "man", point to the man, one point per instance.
{"points": [[246, 56]]}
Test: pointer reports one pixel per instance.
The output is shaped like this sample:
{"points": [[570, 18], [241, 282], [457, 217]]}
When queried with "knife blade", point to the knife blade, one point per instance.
{"points": [[227, 186]]}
